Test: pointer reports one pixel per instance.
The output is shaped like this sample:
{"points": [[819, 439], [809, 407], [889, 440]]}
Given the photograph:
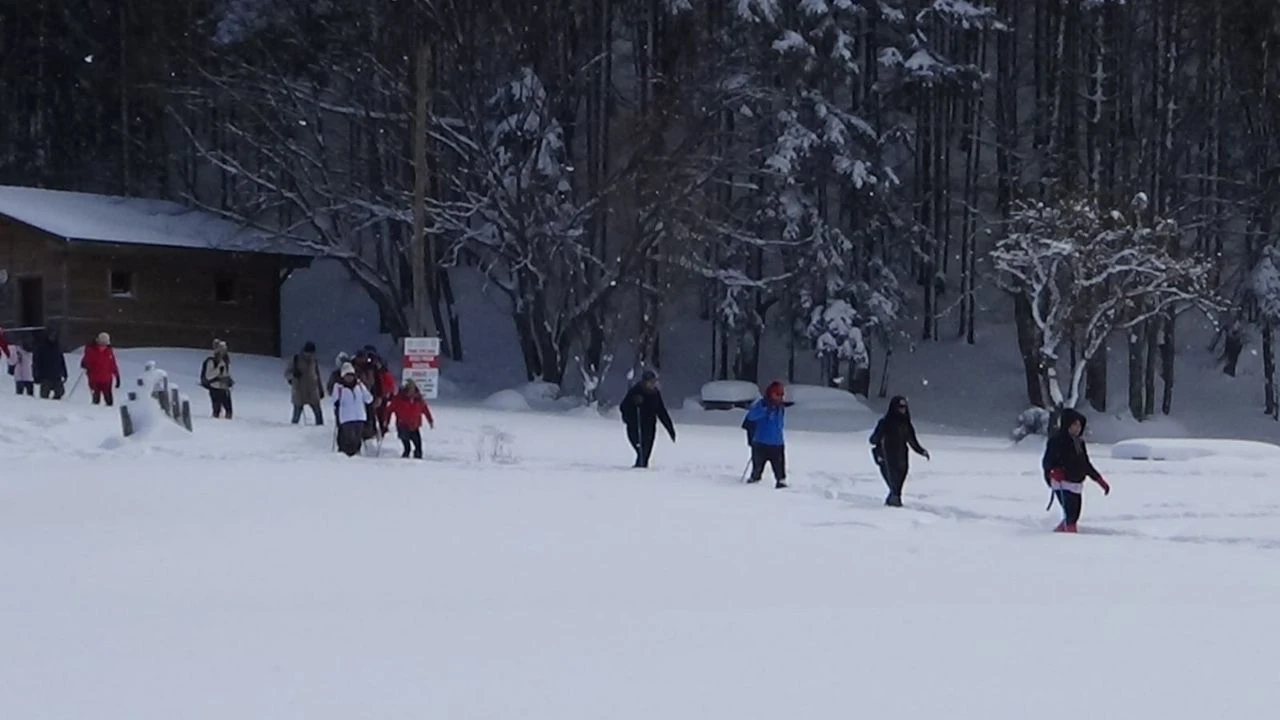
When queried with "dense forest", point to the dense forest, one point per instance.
{"points": [[847, 174]]}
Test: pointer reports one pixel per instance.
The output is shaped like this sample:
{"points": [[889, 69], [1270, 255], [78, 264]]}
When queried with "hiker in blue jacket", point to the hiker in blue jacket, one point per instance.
{"points": [[764, 425]]}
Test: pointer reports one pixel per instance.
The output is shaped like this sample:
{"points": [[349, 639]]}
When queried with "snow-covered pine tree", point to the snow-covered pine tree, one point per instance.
{"points": [[819, 190]]}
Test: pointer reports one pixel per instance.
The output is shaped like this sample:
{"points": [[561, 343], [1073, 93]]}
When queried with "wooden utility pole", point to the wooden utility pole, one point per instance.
{"points": [[421, 321]]}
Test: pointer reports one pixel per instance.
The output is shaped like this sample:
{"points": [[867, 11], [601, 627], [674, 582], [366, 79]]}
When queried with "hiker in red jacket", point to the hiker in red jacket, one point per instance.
{"points": [[100, 369], [409, 409]]}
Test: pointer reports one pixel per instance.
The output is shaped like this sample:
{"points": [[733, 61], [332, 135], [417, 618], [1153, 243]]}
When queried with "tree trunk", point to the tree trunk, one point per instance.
{"points": [[1137, 344], [1152, 358], [1269, 369], [1028, 346], [1168, 351], [1096, 380]]}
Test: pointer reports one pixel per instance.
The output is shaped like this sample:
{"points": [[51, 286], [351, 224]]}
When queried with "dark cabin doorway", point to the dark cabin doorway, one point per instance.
{"points": [[31, 302]]}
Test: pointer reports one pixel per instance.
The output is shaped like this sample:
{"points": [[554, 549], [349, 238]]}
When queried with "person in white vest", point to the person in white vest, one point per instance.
{"points": [[22, 368], [350, 404]]}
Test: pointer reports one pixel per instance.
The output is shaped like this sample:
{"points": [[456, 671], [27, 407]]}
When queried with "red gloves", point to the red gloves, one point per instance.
{"points": [[1102, 483]]}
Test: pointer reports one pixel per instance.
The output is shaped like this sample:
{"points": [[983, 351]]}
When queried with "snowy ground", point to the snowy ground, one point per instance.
{"points": [[246, 572]]}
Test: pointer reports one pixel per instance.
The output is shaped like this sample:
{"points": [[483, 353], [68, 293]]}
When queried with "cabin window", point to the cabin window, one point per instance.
{"points": [[224, 289], [121, 284]]}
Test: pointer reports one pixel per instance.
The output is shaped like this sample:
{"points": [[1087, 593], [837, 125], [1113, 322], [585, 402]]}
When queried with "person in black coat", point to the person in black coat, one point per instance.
{"points": [[49, 367], [893, 435], [641, 410], [1066, 464]]}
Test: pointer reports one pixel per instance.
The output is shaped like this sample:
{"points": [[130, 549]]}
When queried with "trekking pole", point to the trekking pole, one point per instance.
{"points": [[745, 470], [76, 385]]}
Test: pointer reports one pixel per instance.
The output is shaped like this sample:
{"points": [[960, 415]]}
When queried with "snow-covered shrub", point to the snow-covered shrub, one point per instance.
{"points": [[1087, 273], [817, 397], [507, 401], [1032, 421]]}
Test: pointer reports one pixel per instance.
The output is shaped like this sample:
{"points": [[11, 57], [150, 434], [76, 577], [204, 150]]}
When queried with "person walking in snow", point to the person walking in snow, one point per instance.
{"points": [[1066, 464], [642, 409], [215, 376], [765, 424], [306, 386], [50, 367], [335, 377], [101, 370], [409, 408], [893, 436], [351, 401], [369, 375], [21, 363]]}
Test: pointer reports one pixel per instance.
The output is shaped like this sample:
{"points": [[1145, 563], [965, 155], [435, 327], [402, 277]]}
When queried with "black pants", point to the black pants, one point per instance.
{"points": [[103, 396], [641, 439], [315, 410], [220, 400], [52, 389], [27, 388], [350, 438], [895, 477], [1072, 503], [412, 440], [773, 455]]}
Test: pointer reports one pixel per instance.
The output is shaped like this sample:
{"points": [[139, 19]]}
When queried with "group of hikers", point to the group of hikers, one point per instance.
{"points": [[1065, 463], [39, 362], [366, 399]]}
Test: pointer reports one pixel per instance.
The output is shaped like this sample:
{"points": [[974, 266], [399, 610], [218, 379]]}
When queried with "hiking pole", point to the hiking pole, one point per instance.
{"points": [[745, 470], [76, 385]]}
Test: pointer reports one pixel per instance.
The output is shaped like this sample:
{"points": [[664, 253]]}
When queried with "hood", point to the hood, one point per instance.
{"points": [[890, 412], [775, 389], [1071, 415]]}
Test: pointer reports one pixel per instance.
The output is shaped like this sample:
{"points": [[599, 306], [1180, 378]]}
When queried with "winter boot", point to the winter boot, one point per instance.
{"points": [[753, 480], [1063, 527], [893, 501], [780, 485]]}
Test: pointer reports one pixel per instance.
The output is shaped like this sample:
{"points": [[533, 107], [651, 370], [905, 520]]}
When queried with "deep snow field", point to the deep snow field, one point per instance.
{"points": [[246, 571]]}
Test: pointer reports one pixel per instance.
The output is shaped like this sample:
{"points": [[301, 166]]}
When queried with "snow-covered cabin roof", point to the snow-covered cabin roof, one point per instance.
{"points": [[133, 221]]}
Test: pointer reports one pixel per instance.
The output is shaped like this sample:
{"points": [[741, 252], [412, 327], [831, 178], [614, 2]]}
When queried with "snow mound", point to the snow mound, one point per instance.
{"points": [[508, 401], [539, 391], [817, 397], [1183, 449], [725, 394]]}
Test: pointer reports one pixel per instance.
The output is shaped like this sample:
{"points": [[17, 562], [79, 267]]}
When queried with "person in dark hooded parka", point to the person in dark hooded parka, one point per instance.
{"points": [[1066, 464], [893, 435], [642, 409]]}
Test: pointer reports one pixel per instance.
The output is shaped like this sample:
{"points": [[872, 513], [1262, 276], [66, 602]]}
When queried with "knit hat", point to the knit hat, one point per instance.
{"points": [[104, 339], [309, 347], [346, 370], [775, 389], [342, 358]]}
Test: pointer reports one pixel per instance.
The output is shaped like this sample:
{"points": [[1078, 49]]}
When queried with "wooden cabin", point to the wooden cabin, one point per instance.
{"points": [[151, 273]]}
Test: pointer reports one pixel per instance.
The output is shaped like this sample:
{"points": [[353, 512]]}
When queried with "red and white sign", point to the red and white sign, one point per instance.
{"points": [[422, 364]]}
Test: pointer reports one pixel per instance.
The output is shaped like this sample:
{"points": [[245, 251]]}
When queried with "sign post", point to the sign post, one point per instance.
{"points": [[422, 365]]}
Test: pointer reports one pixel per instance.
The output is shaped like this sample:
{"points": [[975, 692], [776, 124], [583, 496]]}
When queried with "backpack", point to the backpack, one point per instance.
{"points": [[204, 367]]}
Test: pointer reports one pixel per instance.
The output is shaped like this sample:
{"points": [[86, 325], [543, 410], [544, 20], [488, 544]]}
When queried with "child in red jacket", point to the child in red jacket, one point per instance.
{"points": [[100, 369], [409, 409]]}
